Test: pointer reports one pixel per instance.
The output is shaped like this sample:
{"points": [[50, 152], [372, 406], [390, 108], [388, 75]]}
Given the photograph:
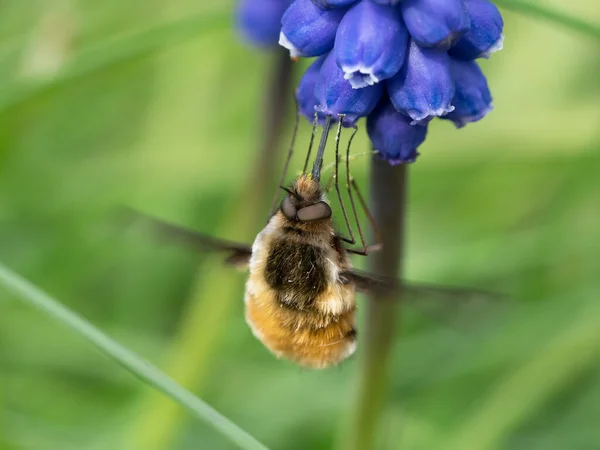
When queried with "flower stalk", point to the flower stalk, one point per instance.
{"points": [[277, 97], [389, 187]]}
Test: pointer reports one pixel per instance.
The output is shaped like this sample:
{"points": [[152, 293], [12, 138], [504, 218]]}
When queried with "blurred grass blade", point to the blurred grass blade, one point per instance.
{"points": [[551, 15], [119, 49], [126, 358]]}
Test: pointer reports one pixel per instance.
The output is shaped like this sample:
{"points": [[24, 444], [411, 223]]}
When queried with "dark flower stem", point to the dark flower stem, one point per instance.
{"points": [[389, 185], [276, 99]]}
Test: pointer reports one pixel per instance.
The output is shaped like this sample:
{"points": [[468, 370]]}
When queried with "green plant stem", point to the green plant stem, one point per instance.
{"points": [[551, 15], [214, 294], [389, 186], [142, 369]]}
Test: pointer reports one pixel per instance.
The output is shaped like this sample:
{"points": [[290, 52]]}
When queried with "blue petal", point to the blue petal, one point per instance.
{"points": [[435, 23], [485, 36], [336, 96], [370, 44], [260, 21], [387, 2], [472, 97], [393, 136], [423, 88], [307, 30], [305, 93], [330, 4]]}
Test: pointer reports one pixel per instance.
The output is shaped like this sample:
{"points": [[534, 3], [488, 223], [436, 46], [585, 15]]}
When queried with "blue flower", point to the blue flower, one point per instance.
{"points": [[307, 30], [400, 63], [259, 21], [485, 35], [393, 136], [336, 96], [424, 87], [371, 43], [472, 99], [329, 4], [305, 93], [387, 2], [435, 23]]}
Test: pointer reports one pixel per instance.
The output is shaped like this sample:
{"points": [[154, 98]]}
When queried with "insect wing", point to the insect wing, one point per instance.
{"points": [[238, 253], [445, 302]]}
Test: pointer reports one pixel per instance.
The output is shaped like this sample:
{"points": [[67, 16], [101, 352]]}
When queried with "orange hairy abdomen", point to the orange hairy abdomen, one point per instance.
{"points": [[307, 338]]}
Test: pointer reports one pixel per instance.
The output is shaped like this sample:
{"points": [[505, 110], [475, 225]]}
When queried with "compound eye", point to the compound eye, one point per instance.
{"points": [[288, 209], [314, 213]]}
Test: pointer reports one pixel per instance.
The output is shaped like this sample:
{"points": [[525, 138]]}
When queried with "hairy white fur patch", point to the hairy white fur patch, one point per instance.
{"points": [[350, 349]]}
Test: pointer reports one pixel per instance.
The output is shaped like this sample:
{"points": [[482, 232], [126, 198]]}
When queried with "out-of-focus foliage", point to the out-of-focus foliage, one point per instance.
{"points": [[105, 103]]}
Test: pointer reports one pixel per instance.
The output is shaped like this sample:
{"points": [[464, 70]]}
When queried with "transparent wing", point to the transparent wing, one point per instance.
{"points": [[433, 299], [368, 282], [238, 254]]}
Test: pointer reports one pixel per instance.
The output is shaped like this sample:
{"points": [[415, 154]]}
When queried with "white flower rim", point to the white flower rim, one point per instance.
{"points": [[360, 76], [464, 120], [285, 42], [495, 47], [419, 118]]}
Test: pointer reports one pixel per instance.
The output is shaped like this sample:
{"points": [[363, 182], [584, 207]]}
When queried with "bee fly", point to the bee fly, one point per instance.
{"points": [[300, 293]]}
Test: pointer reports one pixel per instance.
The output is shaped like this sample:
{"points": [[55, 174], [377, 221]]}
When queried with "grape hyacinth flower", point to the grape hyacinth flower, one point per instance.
{"points": [[398, 63], [472, 99], [393, 134]]}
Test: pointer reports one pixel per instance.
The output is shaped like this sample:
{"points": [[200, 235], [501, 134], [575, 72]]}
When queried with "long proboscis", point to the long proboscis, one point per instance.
{"points": [[316, 170]]}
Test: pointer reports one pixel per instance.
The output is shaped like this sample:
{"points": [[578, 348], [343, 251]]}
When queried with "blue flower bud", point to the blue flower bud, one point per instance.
{"points": [[435, 23], [307, 30], [424, 87], [260, 21], [393, 136], [472, 97], [305, 93], [485, 36], [336, 96], [330, 4], [370, 44], [387, 2]]}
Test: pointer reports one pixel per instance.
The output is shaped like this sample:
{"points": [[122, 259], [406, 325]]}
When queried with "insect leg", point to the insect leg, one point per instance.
{"points": [[350, 185], [287, 161], [351, 239], [312, 140], [329, 183]]}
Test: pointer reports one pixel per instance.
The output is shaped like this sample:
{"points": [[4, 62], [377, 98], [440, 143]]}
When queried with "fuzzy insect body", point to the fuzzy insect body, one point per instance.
{"points": [[297, 303]]}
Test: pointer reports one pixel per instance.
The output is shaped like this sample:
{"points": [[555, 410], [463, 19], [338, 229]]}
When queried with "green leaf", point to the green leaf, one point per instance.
{"points": [[142, 369]]}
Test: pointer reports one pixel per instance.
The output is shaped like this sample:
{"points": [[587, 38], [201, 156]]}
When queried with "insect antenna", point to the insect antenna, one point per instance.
{"points": [[288, 159], [318, 164]]}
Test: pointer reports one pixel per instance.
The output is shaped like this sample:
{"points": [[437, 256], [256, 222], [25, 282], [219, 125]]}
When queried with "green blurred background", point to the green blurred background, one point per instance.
{"points": [[157, 104]]}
